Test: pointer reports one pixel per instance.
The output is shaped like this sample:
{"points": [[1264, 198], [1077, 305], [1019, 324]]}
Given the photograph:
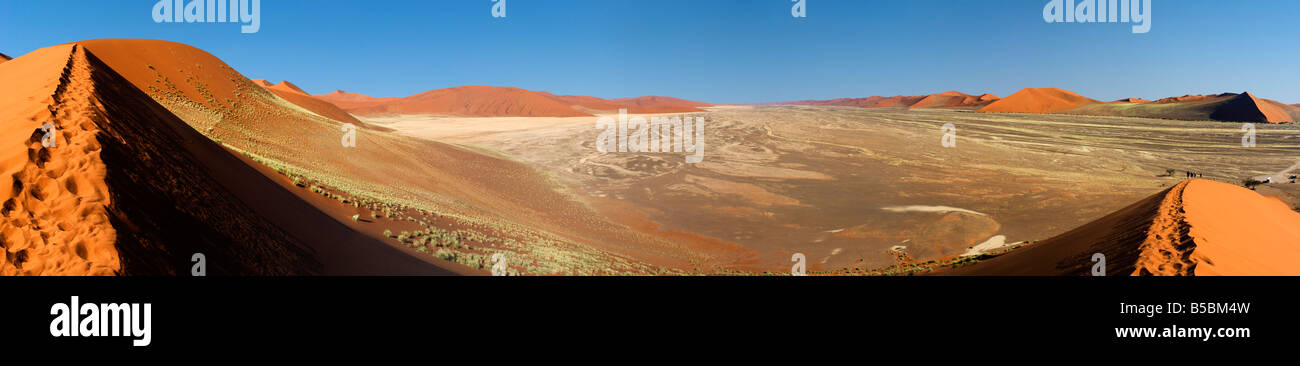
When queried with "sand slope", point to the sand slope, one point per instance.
{"points": [[642, 105], [954, 99], [1038, 100], [295, 95], [4, 57], [1132, 100], [494, 192], [132, 189], [900, 101], [1198, 227], [466, 101], [659, 104], [1244, 107]]}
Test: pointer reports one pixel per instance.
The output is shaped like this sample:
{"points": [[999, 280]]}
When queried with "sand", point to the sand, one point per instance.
{"points": [[1038, 100], [467, 101], [1198, 227], [1238, 232], [954, 99], [132, 189], [56, 220], [297, 96], [1132, 100]]}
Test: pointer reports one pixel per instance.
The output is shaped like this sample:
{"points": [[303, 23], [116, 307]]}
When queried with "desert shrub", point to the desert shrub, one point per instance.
{"points": [[356, 217]]}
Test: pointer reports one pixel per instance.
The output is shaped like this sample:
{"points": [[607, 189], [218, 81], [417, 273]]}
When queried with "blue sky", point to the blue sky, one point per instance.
{"points": [[722, 51]]}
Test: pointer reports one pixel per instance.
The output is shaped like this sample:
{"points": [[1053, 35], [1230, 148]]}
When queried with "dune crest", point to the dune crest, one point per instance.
{"points": [[1198, 227]]}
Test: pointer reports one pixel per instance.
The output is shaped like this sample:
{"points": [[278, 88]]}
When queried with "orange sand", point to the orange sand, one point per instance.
{"points": [[1038, 100], [55, 213], [1198, 227], [954, 99]]}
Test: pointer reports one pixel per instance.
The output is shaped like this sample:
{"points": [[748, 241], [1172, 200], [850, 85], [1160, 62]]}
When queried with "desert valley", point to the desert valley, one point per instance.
{"points": [[127, 156]]}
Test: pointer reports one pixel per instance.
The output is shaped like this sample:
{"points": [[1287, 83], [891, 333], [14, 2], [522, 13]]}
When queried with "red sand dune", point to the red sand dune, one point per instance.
{"points": [[643, 105], [493, 192], [659, 102], [467, 101], [1198, 227], [1132, 100], [868, 102], [349, 101], [1248, 108], [1232, 107], [954, 99], [1191, 98], [1038, 100], [4, 57], [297, 96], [129, 188]]}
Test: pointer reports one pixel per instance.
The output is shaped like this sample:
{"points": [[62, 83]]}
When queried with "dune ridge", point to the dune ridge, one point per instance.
{"points": [[1198, 227]]}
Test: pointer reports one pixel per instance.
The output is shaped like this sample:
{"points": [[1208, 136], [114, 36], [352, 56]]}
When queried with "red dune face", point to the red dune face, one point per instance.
{"points": [[4, 57], [1247, 108], [297, 96], [954, 99], [466, 101], [658, 104], [1199, 227], [1038, 100], [1132, 100], [643, 105]]}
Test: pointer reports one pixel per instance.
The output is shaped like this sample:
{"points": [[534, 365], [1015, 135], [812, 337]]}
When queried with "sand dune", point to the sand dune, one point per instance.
{"points": [[1244, 107], [131, 189], [643, 105], [465, 101], [297, 96], [1132, 100], [868, 102], [1198, 227], [954, 99], [658, 104], [1038, 100], [4, 57], [494, 200]]}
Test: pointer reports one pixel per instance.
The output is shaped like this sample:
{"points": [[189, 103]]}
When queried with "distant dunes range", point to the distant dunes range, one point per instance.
{"points": [[494, 101], [1243, 107]]}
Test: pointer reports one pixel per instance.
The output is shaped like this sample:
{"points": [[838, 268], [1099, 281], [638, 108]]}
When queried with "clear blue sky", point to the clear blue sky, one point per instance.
{"points": [[722, 51]]}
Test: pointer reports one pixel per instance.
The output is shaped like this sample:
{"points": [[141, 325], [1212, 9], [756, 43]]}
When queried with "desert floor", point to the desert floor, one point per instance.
{"points": [[844, 185]]}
